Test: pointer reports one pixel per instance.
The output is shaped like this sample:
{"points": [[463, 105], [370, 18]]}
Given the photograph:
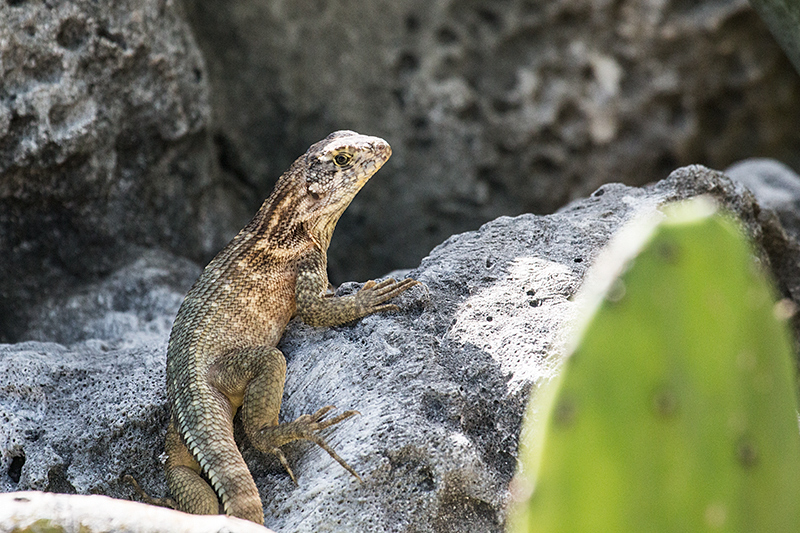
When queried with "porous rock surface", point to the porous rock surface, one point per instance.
{"points": [[441, 385], [120, 128], [493, 107], [104, 112]]}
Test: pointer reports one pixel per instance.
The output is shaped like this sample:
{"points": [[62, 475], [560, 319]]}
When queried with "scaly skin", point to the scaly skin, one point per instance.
{"points": [[222, 353]]}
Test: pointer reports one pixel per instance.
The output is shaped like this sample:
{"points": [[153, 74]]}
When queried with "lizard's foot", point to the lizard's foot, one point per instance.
{"points": [[146, 498], [305, 427], [372, 294]]}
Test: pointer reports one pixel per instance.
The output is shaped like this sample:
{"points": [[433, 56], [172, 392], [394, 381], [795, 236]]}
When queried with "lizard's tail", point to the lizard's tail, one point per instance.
{"points": [[209, 452]]}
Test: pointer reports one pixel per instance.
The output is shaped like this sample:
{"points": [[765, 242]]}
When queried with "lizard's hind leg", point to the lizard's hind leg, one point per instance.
{"points": [[261, 407]]}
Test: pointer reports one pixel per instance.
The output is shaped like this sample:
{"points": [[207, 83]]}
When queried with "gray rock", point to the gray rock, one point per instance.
{"points": [[777, 189], [110, 141], [104, 113], [136, 302], [441, 385], [492, 107], [775, 186]]}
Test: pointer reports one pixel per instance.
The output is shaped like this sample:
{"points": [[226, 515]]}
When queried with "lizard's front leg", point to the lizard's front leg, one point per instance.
{"points": [[316, 308]]}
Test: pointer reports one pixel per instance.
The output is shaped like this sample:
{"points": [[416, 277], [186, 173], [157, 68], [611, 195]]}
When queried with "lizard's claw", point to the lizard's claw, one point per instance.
{"points": [[285, 463], [305, 427], [373, 294]]}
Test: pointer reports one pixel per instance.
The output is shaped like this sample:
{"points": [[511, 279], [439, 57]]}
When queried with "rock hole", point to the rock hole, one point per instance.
{"points": [[501, 105], [72, 34], [15, 468], [446, 36], [112, 37], [489, 17], [407, 62], [412, 23], [426, 481]]}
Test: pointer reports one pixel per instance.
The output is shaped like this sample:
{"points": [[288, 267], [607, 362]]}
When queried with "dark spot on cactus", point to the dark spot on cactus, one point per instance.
{"points": [[669, 252], [565, 412], [747, 453], [665, 403]]}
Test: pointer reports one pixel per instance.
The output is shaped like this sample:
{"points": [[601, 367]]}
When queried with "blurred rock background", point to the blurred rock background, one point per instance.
{"points": [[155, 124]]}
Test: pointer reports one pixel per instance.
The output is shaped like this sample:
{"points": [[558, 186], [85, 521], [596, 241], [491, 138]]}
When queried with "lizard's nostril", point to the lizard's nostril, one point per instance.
{"points": [[383, 149]]}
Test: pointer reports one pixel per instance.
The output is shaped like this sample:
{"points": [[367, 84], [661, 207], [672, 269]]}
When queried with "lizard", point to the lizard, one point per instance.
{"points": [[222, 353]]}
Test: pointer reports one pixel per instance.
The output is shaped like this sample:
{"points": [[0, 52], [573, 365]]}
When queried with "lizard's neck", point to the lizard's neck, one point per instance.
{"points": [[286, 220]]}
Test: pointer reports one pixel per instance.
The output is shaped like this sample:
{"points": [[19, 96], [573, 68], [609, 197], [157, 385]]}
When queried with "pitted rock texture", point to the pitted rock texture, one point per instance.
{"points": [[441, 385], [103, 146], [111, 139], [492, 107]]}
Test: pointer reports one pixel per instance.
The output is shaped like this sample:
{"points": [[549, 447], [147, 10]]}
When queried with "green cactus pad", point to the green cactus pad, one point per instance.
{"points": [[676, 411]]}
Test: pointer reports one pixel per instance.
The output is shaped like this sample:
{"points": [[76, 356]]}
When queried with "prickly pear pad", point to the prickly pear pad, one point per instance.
{"points": [[676, 410]]}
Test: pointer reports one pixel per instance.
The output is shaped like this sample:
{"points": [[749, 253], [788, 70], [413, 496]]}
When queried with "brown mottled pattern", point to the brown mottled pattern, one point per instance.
{"points": [[222, 353]]}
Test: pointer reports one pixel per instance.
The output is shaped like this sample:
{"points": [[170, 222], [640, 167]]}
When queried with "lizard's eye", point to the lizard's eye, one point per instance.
{"points": [[341, 160]]}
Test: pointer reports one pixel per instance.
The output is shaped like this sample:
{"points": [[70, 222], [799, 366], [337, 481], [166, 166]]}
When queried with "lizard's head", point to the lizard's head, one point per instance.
{"points": [[333, 171], [340, 164], [318, 187]]}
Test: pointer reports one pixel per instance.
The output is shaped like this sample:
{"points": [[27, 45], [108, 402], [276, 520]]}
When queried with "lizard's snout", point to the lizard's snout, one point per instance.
{"points": [[382, 149]]}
